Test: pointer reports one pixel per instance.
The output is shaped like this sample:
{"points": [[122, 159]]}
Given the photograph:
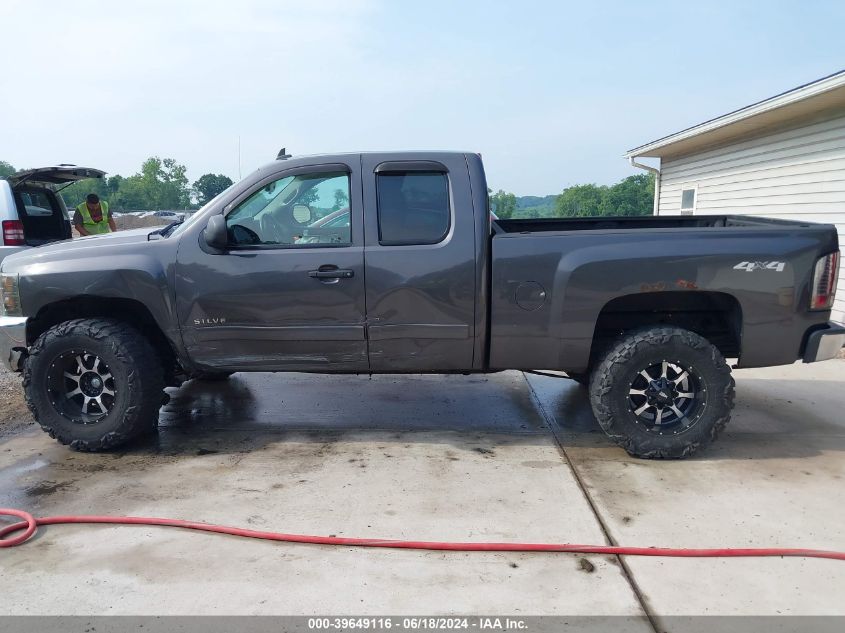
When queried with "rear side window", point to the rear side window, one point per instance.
{"points": [[413, 207]]}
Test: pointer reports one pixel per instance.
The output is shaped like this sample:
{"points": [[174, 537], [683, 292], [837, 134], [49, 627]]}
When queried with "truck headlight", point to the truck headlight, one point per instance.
{"points": [[10, 295]]}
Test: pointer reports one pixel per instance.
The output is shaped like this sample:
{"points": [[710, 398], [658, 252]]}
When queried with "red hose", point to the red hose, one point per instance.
{"points": [[29, 524]]}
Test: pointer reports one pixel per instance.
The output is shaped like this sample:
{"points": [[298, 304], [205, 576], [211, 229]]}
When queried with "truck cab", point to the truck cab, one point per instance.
{"points": [[395, 288]]}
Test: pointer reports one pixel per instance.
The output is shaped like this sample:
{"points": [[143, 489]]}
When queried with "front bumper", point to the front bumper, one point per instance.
{"points": [[824, 344], [12, 341]]}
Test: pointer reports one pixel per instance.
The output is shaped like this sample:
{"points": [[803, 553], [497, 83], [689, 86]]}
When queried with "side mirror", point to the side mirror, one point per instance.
{"points": [[215, 232]]}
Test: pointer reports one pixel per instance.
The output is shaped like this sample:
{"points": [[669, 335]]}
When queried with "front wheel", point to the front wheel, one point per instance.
{"points": [[662, 392], [93, 383]]}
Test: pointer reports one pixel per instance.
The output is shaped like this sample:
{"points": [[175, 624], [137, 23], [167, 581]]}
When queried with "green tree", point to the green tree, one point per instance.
{"points": [[632, 196], [161, 184], [208, 186], [6, 169], [308, 197], [580, 201], [130, 195], [172, 183], [114, 184], [341, 199], [75, 194], [503, 204]]}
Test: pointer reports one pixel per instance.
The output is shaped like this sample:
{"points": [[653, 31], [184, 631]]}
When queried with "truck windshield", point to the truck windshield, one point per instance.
{"points": [[196, 214]]}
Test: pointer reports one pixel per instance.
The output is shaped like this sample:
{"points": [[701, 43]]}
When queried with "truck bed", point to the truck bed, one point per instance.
{"points": [[547, 225], [574, 280]]}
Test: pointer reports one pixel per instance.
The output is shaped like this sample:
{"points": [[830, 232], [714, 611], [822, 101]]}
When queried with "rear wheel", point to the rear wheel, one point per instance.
{"points": [[93, 383], [662, 392]]}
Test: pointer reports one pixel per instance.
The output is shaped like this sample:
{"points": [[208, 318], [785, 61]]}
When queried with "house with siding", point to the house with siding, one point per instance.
{"points": [[783, 157]]}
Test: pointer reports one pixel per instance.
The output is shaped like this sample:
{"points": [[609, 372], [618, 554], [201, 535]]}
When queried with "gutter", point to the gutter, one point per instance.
{"points": [[656, 172], [801, 93]]}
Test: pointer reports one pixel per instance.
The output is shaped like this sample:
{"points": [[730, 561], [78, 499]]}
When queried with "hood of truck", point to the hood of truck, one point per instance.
{"points": [[98, 246]]}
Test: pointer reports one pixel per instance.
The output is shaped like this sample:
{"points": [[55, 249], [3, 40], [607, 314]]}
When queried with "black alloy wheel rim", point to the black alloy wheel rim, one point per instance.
{"points": [[81, 387], [667, 397]]}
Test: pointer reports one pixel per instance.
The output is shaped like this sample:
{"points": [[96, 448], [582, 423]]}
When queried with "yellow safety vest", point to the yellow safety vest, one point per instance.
{"points": [[95, 228]]}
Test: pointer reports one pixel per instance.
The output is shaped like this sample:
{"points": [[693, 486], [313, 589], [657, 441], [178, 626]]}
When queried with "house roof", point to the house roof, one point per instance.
{"points": [[810, 100]]}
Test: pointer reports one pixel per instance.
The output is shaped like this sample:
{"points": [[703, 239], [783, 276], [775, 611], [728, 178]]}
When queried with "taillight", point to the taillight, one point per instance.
{"points": [[825, 277], [13, 233]]}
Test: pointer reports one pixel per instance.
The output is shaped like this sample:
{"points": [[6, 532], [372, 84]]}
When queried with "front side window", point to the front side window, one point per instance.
{"points": [[294, 211], [413, 207]]}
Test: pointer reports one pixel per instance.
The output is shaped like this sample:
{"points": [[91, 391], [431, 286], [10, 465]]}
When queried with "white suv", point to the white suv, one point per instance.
{"points": [[31, 211]]}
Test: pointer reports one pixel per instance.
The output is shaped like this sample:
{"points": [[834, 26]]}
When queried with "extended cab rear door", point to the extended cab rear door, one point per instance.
{"points": [[420, 262]]}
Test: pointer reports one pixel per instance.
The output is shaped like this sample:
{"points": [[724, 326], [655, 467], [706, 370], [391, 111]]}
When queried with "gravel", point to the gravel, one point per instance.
{"points": [[14, 416]]}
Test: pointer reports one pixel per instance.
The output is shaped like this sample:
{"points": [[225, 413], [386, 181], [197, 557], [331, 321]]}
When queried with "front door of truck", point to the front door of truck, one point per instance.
{"points": [[288, 291], [420, 263]]}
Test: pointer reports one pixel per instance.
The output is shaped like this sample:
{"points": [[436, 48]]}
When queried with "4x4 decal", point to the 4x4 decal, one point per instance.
{"points": [[752, 266]]}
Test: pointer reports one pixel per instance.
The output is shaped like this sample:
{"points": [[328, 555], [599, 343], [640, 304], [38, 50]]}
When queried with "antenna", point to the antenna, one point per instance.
{"points": [[282, 155], [239, 157]]}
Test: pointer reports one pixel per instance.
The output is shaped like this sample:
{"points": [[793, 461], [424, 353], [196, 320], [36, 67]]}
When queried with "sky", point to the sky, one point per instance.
{"points": [[550, 93]]}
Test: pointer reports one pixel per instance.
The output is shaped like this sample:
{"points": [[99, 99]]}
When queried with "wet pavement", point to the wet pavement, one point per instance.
{"points": [[426, 457], [433, 458], [775, 478]]}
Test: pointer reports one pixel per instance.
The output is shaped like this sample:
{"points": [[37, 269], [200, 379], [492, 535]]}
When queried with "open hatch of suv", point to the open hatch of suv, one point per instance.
{"points": [[31, 211]]}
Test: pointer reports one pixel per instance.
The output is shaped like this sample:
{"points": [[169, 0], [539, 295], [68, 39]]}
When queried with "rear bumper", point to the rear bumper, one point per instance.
{"points": [[12, 341], [824, 344]]}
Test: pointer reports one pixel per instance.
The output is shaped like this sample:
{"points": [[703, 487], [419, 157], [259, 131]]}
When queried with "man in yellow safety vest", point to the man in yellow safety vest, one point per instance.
{"points": [[92, 217]]}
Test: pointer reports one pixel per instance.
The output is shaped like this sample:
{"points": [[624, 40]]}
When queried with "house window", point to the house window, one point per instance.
{"points": [[688, 200]]}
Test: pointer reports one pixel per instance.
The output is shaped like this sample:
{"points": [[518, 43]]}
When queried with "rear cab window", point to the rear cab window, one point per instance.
{"points": [[413, 207]]}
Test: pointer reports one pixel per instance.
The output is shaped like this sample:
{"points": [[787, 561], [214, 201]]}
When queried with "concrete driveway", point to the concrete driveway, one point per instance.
{"points": [[500, 457]]}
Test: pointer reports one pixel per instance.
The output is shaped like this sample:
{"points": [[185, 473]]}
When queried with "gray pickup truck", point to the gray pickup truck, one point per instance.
{"points": [[392, 262]]}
